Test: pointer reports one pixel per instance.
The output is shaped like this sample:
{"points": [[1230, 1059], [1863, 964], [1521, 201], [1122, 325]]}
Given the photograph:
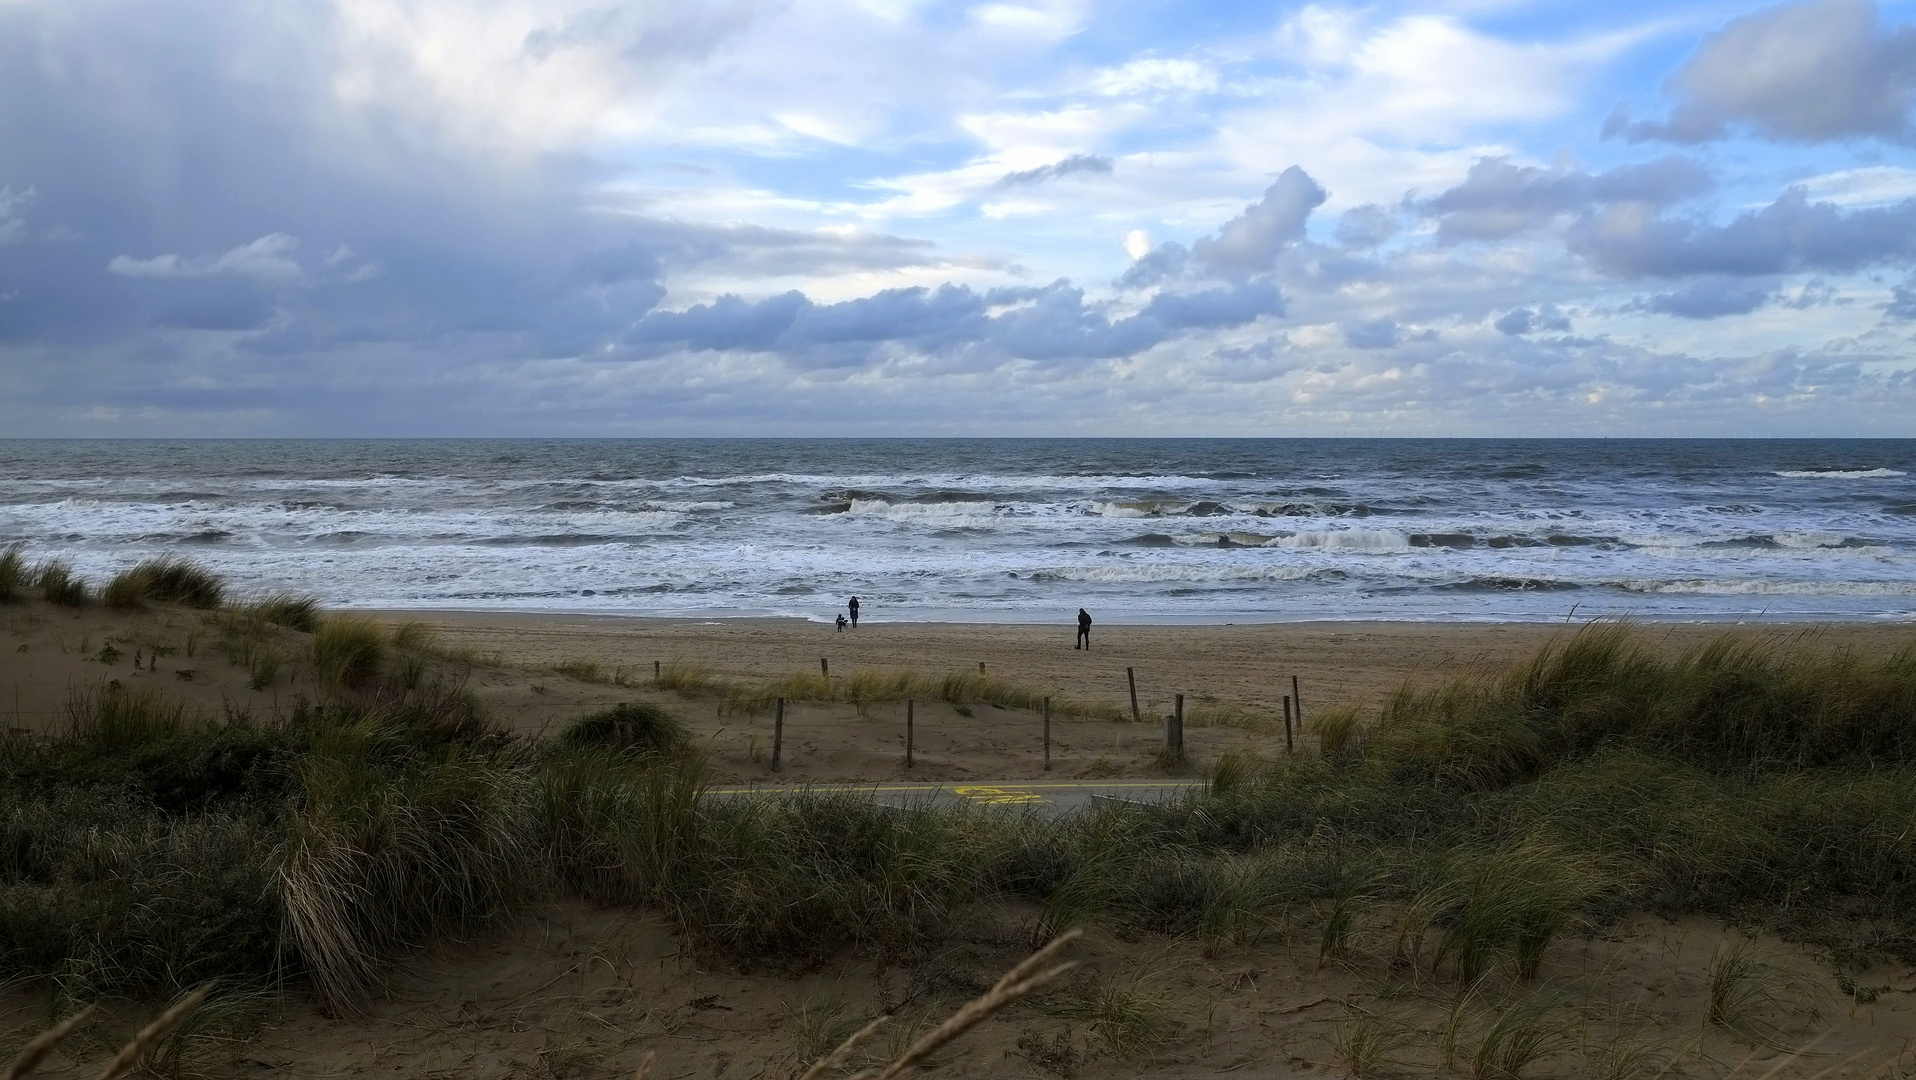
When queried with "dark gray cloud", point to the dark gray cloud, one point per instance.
{"points": [[1075, 164], [1790, 235], [1527, 321], [1049, 325], [151, 182], [1498, 199], [1371, 334], [1809, 72], [1709, 298], [1364, 227], [1902, 301]]}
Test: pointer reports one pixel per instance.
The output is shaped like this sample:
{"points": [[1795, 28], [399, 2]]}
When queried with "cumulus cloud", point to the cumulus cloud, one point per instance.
{"points": [[1053, 324], [1075, 164], [1250, 242], [1520, 321], [1246, 245], [1500, 199], [1366, 226], [1816, 71], [1789, 235], [1371, 334], [1708, 298]]}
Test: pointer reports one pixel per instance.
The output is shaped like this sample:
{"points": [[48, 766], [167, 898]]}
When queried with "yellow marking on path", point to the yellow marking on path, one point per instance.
{"points": [[997, 796], [1005, 792]]}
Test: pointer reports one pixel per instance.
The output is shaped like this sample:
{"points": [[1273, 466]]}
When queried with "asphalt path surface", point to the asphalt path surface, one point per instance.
{"points": [[1054, 795]]}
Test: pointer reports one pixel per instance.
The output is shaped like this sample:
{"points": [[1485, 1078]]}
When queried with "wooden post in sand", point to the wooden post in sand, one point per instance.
{"points": [[1174, 732], [1299, 696], [778, 734], [981, 669], [908, 732], [824, 668], [655, 671], [1289, 746], [1131, 676], [1047, 734]]}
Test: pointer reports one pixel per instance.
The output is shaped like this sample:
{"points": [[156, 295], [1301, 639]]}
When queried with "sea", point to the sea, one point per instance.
{"points": [[1004, 530]]}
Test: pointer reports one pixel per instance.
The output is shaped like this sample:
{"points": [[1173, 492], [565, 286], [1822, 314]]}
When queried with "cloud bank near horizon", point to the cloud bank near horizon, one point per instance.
{"points": [[1049, 217]]}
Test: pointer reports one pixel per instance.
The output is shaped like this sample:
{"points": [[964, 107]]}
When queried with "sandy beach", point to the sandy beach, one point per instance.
{"points": [[1335, 662]]}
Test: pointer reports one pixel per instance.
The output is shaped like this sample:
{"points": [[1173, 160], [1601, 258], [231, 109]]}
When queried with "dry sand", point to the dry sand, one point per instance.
{"points": [[575, 991], [1336, 662]]}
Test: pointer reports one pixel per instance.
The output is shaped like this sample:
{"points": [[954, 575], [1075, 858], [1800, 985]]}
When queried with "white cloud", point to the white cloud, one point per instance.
{"points": [[269, 258], [1041, 21], [13, 227], [1153, 73], [1872, 185]]}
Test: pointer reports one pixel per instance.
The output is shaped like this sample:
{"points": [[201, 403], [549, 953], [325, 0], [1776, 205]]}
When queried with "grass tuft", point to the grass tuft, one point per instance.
{"points": [[391, 848], [14, 575], [348, 650], [168, 579], [639, 727], [1523, 1033], [294, 611], [57, 582]]}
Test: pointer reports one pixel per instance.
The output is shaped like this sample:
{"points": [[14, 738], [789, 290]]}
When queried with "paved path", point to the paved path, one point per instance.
{"points": [[1051, 794]]}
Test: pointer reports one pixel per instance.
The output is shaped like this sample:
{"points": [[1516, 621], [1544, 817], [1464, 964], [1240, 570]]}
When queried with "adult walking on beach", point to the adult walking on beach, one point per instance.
{"points": [[854, 610], [1084, 630]]}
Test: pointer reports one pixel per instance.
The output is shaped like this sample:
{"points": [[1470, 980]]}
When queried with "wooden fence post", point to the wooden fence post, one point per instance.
{"points": [[778, 735], [1289, 746], [1174, 732], [1047, 734], [1299, 696], [1131, 676], [655, 671], [824, 668]]}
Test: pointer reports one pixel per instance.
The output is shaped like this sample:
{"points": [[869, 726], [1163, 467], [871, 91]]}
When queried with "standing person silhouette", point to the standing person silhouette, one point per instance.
{"points": [[1084, 630], [854, 609]]}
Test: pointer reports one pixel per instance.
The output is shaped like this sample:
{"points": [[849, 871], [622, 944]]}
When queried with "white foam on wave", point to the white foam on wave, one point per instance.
{"points": [[1809, 539], [1359, 541], [981, 482], [937, 514], [1839, 474], [1175, 572], [1755, 587]]}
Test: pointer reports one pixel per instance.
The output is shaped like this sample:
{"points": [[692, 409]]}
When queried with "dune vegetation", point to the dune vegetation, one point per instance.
{"points": [[1457, 834]]}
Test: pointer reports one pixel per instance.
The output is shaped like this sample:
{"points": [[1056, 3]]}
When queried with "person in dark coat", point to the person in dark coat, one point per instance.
{"points": [[854, 609], [1084, 630]]}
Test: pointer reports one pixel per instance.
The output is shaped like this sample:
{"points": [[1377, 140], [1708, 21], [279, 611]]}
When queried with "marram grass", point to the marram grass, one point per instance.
{"points": [[1459, 833]]}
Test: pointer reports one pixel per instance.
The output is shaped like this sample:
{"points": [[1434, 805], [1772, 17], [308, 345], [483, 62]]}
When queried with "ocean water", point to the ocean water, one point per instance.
{"points": [[1005, 530]]}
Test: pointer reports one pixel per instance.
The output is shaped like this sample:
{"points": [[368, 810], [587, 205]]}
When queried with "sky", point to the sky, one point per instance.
{"points": [[908, 217]]}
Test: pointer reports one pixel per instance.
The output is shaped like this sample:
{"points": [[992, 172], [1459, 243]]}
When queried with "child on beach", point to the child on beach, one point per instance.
{"points": [[841, 622]]}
